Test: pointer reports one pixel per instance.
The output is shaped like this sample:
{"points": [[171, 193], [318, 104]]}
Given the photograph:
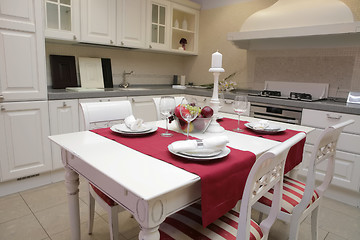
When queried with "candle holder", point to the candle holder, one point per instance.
{"points": [[214, 102]]}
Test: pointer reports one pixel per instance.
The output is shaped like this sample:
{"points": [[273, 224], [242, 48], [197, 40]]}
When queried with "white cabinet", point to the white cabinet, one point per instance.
{"points": [[22, 51], [158, 24], [64, 118], [131, 23], [24, 143], [62, 19], [98, 21], [347, 163], [184, 25]]}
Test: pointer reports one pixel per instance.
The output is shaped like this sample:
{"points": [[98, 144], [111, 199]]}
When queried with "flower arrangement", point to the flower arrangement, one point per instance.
{"points": [[226, 84]]}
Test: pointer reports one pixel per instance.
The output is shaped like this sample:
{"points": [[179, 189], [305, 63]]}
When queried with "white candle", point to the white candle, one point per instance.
{"points": [[216, 60]]}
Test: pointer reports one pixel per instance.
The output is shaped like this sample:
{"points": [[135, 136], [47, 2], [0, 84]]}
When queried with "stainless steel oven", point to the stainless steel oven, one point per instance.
{"points": [[276, 112]]}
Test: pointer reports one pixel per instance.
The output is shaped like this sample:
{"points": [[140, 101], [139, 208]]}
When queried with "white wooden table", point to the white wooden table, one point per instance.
{"points": [[147, 187]]}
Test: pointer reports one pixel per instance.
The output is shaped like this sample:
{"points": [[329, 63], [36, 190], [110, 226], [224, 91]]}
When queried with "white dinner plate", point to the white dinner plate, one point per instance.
{"points": [[271, 129], [151, 130], [123, 128], [221, 154]]}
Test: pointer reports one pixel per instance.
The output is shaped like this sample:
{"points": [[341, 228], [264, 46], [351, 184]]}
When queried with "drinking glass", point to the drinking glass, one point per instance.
{"points": [[240, 106], [167, 106], [189, 110]]}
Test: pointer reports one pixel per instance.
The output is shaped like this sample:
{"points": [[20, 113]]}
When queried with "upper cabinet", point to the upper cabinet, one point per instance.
{"points": [[22, 51], [62, 19], [131, 23], [184, 29], [98, 21], [159, 24], [164, 25]]}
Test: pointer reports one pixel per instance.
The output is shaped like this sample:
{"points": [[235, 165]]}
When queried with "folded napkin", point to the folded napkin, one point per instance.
{"points": [[208, 145], [133, 124], [260, 125]]}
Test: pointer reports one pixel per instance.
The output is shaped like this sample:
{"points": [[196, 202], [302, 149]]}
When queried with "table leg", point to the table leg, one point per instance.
{"points": [[149, 234], [72, 186]]}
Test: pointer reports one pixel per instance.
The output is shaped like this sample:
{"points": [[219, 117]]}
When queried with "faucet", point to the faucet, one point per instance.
{"points": [[125, 84]]}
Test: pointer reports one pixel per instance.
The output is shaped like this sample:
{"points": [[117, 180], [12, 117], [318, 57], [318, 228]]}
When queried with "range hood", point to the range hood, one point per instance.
{"points": [[297, 24]]}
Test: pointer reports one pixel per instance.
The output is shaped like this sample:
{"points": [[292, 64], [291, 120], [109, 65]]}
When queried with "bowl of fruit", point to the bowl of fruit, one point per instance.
{"points": [[199, 124]]}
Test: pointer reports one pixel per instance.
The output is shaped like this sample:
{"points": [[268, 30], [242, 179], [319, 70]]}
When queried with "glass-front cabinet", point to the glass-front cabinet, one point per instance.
{"points": [[62, 19], [159, 14], [184, 29]]}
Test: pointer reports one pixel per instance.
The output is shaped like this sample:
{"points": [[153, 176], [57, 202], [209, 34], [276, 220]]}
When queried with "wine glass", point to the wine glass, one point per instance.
{"points": [[167, 106], [240, 106], [189, 110]]}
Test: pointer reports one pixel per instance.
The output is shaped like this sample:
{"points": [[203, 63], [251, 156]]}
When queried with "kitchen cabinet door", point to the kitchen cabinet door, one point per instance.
{"points": [[64, 118], [22, 51], [24, 143], [62, 19], [158, 24], [131, 23], [98, 20]]}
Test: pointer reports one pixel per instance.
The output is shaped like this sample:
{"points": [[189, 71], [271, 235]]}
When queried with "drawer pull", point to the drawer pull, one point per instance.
{"points": [[2, 108], [1, 97], [334, 117], [228, 101], [64, 104]]}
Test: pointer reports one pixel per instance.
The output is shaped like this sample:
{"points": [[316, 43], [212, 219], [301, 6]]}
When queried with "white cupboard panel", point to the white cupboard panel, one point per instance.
{"points": [[64, 118], [98, 21], [131, 23], [25, 143], [346, 173], [20, 76], [18, 18], [323, 119]]}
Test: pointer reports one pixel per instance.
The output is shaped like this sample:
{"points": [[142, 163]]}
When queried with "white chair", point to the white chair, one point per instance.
{"points": [[300, 199], [157, 105], [98, 115], [266, 173]]}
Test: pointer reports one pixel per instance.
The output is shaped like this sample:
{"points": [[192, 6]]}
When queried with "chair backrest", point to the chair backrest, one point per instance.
{"points": [[105, 114], [157, 105], [324, 149], [266, 173]]}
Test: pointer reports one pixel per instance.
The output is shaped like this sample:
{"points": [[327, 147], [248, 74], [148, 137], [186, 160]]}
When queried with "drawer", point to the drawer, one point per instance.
{"points": [[347, 142], [346, 172], [323, 119]]}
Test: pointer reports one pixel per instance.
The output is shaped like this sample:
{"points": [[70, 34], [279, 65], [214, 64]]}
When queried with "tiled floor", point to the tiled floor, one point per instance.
{"points": [[42, 214]]}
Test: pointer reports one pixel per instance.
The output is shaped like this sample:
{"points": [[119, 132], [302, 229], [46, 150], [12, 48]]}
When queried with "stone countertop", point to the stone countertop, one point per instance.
{"points": [[333, 105]]}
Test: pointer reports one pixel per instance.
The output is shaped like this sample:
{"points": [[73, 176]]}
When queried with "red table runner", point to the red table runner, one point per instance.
{"points": [[296, 152], [222, 180]]}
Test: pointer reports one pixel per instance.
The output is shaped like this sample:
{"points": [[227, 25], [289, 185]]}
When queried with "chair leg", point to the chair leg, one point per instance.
{"points": [[91, 213], [294, 229], [113, 224], [314, 223]]}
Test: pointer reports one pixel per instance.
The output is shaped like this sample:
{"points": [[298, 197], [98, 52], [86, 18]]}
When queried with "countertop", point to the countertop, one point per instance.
{"points": [[333, 105]]}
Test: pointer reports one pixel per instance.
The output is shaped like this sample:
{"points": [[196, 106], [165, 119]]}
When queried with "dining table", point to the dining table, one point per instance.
{"points": [[147, 185]]}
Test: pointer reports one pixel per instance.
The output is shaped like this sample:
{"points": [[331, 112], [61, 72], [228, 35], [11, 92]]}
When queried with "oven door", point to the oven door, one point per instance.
{"points": [[276, 113]]}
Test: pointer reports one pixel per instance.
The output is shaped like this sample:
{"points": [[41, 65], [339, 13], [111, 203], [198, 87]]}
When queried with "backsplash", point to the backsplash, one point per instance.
{"points": [[339, 67], [148, 67]]}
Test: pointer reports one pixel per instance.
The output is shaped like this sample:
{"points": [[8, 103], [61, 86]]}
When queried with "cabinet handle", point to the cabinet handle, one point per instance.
{"points": [[74, 37], [150, 46], [122, 43], [1, 97], [228, 101], [334, 117], [64, 104], [2, 108], [111, 42]]}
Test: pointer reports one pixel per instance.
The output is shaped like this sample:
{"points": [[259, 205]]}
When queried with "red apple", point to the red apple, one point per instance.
{"points": [[177, 111], [207, 112]]}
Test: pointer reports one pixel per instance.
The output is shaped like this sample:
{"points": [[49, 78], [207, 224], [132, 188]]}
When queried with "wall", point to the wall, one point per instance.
{"points": [[148, 67], [340, 67]]}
